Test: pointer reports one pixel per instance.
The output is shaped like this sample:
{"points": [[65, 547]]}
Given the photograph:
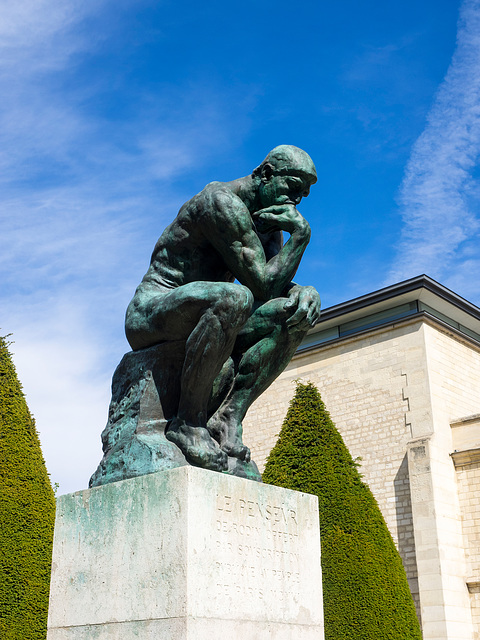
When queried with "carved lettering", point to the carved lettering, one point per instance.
{"points": [[224, 503], [256, 549], [229, 590], [272, 513]]}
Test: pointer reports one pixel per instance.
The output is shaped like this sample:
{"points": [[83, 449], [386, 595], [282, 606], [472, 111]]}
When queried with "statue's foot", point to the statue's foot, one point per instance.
{"points": [[239, 451], [248, 470], [228, 435], [196, 445]]}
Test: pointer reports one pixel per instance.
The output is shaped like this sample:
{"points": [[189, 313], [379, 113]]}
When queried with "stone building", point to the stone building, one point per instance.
{"points": [[399, 371]]}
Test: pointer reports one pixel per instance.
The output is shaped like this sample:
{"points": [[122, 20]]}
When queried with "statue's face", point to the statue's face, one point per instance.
{"points": [[285, 186]]}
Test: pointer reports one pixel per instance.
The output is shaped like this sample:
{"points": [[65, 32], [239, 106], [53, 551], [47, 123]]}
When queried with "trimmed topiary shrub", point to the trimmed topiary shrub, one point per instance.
{"points": [[27, 513], [365, 589]]}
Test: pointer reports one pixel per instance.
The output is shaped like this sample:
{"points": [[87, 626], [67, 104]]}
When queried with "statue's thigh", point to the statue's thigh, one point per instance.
{"points": [[175, 314], [266, 317]]}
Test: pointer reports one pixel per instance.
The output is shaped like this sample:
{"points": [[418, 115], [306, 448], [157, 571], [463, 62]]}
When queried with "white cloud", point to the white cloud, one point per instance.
{"points": [[41, 35], [84, 199], [61, 367], [439, 195]]}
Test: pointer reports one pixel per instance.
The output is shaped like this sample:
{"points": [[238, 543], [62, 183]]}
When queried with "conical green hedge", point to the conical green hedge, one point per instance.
{"points": [[27, 513], [365, 589]]}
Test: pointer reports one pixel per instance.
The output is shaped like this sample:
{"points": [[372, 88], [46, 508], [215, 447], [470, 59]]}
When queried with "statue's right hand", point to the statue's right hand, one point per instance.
{"points": [[280, 217]]}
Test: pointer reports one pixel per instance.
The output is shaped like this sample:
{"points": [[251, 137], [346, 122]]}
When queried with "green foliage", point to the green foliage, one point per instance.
{"points": [[27, 513], [366, 594]]}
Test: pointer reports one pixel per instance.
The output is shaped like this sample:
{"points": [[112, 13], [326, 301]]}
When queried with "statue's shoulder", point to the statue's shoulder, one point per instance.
{"points": [[214, 199], [217, 191], [219, 195]]}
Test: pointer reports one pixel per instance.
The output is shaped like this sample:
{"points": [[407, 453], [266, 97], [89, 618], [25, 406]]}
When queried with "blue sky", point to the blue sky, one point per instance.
{"points": [[115, 113]]}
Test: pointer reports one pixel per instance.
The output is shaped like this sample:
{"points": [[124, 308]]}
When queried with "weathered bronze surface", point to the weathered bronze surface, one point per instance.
{"points": [[220, 286]]}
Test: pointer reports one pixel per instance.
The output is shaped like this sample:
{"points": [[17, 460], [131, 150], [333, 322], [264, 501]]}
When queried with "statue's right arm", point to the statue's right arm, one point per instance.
{"points": [[228, 226]]}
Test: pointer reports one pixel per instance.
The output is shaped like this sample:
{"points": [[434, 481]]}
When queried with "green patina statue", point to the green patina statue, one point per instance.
{"points": [[214, 321], [238, 337]]}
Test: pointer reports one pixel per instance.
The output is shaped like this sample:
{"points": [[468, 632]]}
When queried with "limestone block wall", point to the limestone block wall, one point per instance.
{"points": [[366, 383], [454, 371], [468, 492], [454, 366]]}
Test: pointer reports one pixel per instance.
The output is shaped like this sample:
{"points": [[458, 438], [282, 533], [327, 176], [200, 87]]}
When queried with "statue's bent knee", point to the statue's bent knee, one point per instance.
{"points": [[234, 306]]}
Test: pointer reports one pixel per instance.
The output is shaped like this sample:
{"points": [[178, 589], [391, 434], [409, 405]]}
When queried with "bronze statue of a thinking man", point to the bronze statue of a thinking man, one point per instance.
{"points": [[220, 279]]}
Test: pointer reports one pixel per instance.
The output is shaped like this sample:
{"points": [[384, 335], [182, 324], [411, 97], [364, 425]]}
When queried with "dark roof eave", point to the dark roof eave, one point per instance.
{"points": [[392, 291]]}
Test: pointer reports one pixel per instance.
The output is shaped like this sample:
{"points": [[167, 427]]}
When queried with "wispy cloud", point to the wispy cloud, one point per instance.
{"points": [[60, 363], [439, 197], [83, 199]]}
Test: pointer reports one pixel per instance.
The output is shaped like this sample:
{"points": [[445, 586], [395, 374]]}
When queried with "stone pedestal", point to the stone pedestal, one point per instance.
{"points": [[186, 554]]}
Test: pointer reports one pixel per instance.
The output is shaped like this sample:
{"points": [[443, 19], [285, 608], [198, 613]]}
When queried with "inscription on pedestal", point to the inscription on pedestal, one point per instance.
{"points": [[257, 550]]}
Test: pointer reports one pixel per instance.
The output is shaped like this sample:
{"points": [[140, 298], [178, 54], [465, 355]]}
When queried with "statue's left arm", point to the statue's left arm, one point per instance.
{"points": [[305, 300]]}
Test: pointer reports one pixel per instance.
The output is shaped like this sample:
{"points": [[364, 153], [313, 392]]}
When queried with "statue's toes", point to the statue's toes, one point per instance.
{"points": [[239, 451], [213, 457], [218, 462], [213, 460]]}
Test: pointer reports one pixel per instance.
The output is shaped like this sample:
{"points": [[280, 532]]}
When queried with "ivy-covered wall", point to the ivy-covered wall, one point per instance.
{"points": [[366, 594], [27, 513]]}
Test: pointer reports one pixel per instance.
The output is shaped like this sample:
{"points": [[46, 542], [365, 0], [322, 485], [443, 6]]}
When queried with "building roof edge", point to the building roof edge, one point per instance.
{"points": [[406, 286]]}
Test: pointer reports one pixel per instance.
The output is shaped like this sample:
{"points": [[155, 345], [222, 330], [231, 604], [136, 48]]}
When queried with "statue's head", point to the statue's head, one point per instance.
{"points": [[285, 176]]}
